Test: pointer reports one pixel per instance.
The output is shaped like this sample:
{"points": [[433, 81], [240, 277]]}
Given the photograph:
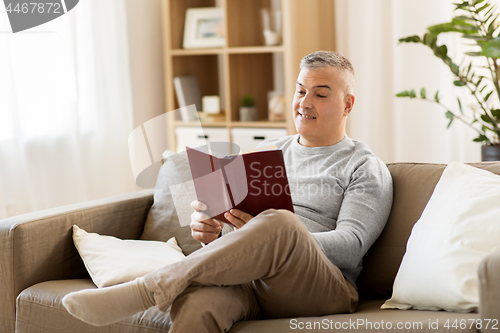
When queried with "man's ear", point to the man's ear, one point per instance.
{"points": [[349, 103]]}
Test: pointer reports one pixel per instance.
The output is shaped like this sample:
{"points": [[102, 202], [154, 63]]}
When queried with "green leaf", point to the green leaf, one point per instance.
{"points": [[422, 93], [496, 113], [450, 116], [456, 25], [486, 119], [474, 54], [479, 81], [460, 106], [491, 48], [466, 18], [441, 28], [479, 10], [487, 96], [458, 83], [492, 26], [481, 138], [468, 69], [403, 94], [485, 129], [429, 40], [410, 39], [477, 38], [488, 13], [413, 94], [463, 5], [436, 96], [441, 52]]}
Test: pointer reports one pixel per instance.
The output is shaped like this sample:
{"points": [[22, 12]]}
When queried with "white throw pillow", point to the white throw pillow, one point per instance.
{"points": [[111, 261], [458, 228]]}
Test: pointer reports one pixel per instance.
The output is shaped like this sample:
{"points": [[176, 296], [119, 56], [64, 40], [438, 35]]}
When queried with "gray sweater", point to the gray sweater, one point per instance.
{"points": [[343, 195]]}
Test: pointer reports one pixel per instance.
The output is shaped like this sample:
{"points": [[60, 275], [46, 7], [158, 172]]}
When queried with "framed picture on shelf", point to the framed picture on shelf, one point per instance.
{"points": [[204, 27]]}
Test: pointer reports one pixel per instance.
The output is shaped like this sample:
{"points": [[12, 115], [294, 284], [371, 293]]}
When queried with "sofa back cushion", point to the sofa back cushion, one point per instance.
{"points": [[413, 186], [163, 222]]}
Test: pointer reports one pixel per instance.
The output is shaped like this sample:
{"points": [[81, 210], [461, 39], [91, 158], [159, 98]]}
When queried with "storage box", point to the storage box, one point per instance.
{"points": [[249, 138], [196, 136]]}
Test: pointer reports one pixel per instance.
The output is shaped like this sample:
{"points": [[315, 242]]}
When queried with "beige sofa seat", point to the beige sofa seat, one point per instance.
{"points": [[40, 310], [39, 265]]}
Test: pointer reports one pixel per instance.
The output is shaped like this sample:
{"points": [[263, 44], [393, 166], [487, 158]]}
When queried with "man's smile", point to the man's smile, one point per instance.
{"points": [[305, 115]]}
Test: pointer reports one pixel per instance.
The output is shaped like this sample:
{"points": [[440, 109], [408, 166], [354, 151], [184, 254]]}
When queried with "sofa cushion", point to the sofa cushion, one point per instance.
{"points": [[413, 184], [367, 318], [456, 231], [40, 309], [162, 222], [110, 260]]}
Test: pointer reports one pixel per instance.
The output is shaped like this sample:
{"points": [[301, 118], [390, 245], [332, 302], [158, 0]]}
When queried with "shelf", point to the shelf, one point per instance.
{"points": [[203, 124], [254, 49], [253, 124], [244, 65], [185, 52], [263, 123], [229, 50]]}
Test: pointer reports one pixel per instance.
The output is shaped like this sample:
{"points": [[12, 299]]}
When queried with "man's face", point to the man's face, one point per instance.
{"points": [[320, 106]]}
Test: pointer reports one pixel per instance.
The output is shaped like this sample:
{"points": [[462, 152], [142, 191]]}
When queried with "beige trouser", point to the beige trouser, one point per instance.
{"points": [[271, 268]]}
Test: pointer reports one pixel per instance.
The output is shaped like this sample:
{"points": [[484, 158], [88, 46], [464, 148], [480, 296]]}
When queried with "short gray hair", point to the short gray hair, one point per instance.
{"points": [[322, 59]]}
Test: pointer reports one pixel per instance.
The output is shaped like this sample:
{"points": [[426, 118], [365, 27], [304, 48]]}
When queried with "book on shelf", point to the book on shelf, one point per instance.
{"points": [[251, 182], [187, 91]]}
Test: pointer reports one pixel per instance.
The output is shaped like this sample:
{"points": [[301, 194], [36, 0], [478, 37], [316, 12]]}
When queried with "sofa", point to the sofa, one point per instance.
{"points": [[39, 264]]}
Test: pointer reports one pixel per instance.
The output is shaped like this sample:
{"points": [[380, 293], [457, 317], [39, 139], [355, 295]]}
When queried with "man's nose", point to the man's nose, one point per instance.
{"points": [[306, 102]]}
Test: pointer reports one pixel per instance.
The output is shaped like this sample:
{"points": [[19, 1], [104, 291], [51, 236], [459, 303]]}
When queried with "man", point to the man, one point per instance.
{"points": [[277, 264]]}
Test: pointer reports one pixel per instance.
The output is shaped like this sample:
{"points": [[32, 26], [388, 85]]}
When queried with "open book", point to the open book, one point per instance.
{"points": [[251, 182]]}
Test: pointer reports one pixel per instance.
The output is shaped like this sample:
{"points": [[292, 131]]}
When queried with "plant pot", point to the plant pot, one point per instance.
{"points": [[248, 113], [490, 153]]}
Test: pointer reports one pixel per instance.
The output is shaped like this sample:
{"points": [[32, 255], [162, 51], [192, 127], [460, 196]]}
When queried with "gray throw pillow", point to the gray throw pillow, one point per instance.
{"points": [[162, 222]]}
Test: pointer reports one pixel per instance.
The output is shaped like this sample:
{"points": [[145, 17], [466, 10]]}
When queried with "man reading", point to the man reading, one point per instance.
{"points": [[277, 264]]}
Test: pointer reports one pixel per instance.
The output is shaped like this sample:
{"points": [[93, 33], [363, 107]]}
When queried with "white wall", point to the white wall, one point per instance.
{"points": [[401, 130], [146, 59]]}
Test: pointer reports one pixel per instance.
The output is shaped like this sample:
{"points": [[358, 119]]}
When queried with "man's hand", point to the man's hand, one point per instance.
{"points": [[237, 217], [203, 228]]}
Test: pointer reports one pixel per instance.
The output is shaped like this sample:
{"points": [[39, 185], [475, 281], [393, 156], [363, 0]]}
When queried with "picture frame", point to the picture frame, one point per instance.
{"points": [[204, 27]]}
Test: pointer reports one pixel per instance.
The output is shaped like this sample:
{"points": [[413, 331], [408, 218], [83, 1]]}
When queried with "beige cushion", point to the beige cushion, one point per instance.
{"points": [[110, 260], [458, 228], [162, 222], [413, 186]]}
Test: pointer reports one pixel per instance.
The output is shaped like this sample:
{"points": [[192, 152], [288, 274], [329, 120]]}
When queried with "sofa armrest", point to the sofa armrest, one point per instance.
{"points": [[39, 247], [489, 289]]}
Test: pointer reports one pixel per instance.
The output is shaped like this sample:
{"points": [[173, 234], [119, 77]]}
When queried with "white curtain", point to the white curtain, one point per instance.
{"points": [[65, 109], [402, 130]]}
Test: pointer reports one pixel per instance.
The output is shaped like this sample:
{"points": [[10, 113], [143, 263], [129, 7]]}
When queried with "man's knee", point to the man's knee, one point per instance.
{"points": [[273, 219]]}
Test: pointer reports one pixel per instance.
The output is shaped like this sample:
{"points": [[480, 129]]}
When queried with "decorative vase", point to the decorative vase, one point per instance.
{"points": [[490, 153], [248, 113]]}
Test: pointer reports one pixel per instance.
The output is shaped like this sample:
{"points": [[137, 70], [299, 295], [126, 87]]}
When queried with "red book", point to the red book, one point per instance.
{"points": [[251, 182]]}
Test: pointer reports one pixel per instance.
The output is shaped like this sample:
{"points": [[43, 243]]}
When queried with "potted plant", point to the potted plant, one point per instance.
{"points": [[478, 23], [248, 110]]}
